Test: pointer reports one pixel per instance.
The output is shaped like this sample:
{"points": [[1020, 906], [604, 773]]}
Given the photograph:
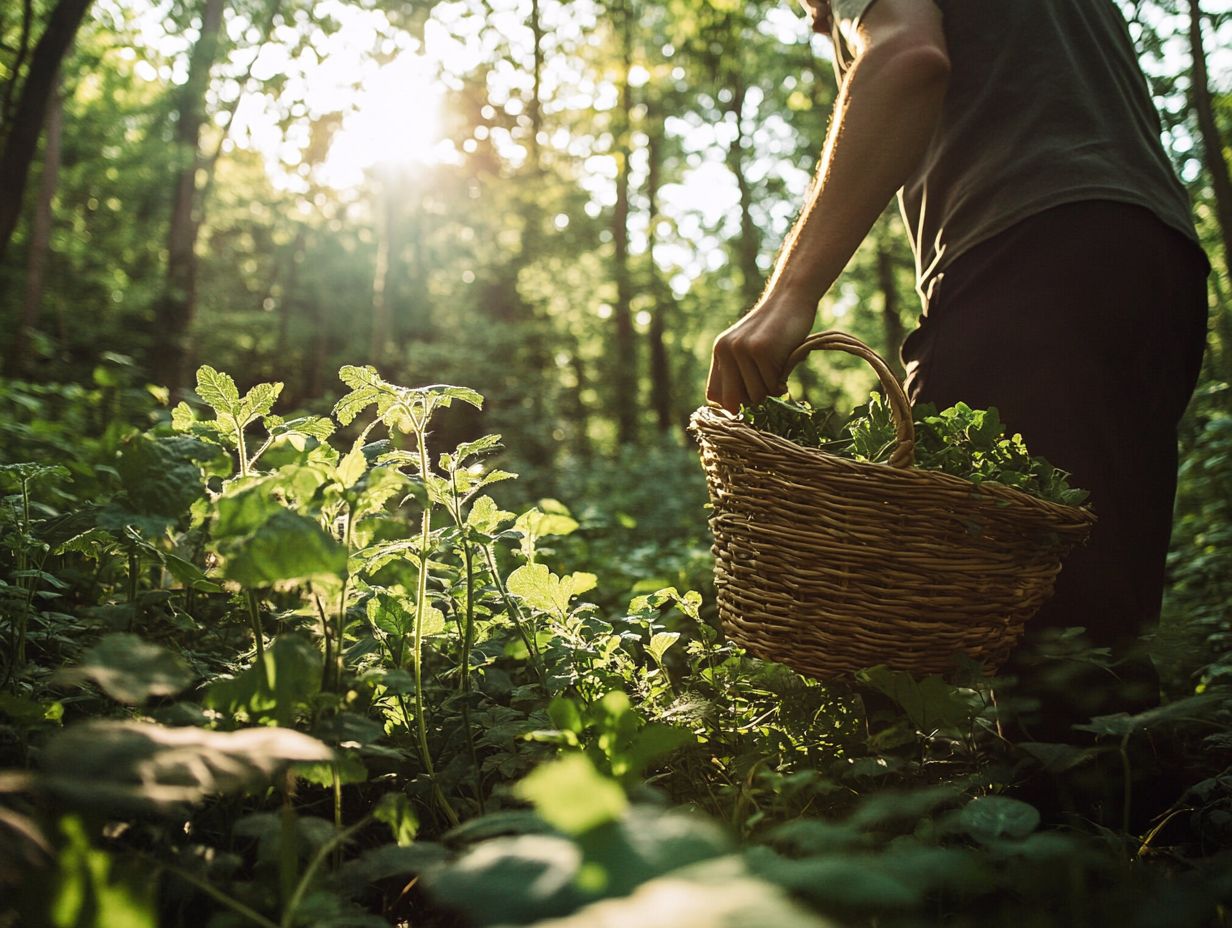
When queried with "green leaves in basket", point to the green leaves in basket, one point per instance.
{"points": [[961, 441]]}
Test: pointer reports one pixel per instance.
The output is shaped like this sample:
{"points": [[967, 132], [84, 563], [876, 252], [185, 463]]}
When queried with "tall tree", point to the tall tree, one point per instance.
{"points": [[40, 236], [624, 358], [1212, 143], [174, 311], [21, 130]]}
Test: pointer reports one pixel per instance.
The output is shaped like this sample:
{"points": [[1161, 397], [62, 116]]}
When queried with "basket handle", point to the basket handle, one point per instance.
{"points": [[900, 406]]}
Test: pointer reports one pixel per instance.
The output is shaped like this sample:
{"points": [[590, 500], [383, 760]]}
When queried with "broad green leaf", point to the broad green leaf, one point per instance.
{"points": [[396, 811], [367, 388], [131, 670], [583, 582], [717, 893], [989, 818], [241, 511], [659, 643], [217, 390], [433, 622], [286, 547], [511, 880], [279, 688], [1187, 709], [352, 467], [847, 883], [258, 402], [541, 589], [570, 794], [182, 417], [391, 614], [538, 524], [485, 516], [162, 476], [930, 703], [129, 767], [565, 714], [189, 574], [468, 449]]}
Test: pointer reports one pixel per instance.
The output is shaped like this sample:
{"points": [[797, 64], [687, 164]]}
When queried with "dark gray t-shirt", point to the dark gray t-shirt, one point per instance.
{"points": [[1046, 105]]}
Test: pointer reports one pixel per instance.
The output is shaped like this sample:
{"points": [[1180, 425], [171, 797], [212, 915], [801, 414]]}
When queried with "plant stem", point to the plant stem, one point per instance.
{"points": [[515, 615], [216, 894], [421, 605], [339, 838], [468, 638], [254, 618]]}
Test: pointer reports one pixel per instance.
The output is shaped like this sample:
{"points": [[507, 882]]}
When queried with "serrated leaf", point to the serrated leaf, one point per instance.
{"points": [[541, 589], [258, 401], [366, 388], [182, 417], [217, 390], [485, 516]]}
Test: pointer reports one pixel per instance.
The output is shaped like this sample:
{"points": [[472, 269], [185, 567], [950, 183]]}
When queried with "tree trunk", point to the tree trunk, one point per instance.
{"points": [[624, 379], [749, 245], [1212, 144], [660, 365], [22, 133], [174, 312], [40, 237]]}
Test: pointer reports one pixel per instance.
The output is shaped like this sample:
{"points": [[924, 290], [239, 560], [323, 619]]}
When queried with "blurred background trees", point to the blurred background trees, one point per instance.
{"points": [[557, 203]]}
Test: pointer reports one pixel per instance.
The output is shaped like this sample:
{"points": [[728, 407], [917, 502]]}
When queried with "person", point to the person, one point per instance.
{"points": [[1060, 274]]}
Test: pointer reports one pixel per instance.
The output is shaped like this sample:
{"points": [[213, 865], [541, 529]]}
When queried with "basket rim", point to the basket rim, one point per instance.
{"points": [[708, 418]]}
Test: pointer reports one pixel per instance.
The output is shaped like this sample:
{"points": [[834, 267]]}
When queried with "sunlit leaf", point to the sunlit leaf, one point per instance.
{"points": [[217, 390], [572, 795], [130, 766]]}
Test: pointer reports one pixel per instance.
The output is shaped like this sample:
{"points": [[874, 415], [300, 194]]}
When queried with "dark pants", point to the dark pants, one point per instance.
{"points": [[1084, 325]]}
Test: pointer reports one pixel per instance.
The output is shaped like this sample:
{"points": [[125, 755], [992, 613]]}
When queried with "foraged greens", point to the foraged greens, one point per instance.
{"points": [[965, 442]]}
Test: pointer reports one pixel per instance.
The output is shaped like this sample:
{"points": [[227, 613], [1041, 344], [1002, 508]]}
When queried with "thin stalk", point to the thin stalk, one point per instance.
{"points": [[254, 619], [328, 635], [1128, 795], [337, 811], [468, 638], [310, 872], [421, 605], [340, 632], [18, 631], [288, 844], [134, 564], [515, 614], [216, 894]]}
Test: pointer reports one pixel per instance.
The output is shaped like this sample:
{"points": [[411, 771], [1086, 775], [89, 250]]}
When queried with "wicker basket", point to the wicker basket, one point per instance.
{"points": [[831, 565]]}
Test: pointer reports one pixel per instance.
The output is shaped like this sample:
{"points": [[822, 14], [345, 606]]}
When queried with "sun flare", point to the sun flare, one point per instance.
{"points": [[396, 120]]}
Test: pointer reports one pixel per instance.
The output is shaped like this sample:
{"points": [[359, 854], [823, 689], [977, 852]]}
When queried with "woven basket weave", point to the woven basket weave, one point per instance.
{"points": [[831, 565]]}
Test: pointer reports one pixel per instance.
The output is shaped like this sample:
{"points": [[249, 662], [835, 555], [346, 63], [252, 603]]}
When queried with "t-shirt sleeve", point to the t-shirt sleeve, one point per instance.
{"points": [[847, 14]]}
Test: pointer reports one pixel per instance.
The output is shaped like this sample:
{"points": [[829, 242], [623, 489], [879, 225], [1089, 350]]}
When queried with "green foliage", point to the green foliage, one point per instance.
{"points": [[965, 442], [355, 670]]}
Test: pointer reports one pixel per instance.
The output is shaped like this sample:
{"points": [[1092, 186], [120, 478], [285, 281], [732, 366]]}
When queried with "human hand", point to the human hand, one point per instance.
{"points": [[750, 358]]}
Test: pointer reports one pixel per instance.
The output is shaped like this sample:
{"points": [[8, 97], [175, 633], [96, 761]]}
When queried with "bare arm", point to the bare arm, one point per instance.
{"points": [[883, 118]]}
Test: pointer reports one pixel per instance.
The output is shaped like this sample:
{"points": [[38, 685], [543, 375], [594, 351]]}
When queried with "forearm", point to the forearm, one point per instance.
{"points": [[883, 119]]}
